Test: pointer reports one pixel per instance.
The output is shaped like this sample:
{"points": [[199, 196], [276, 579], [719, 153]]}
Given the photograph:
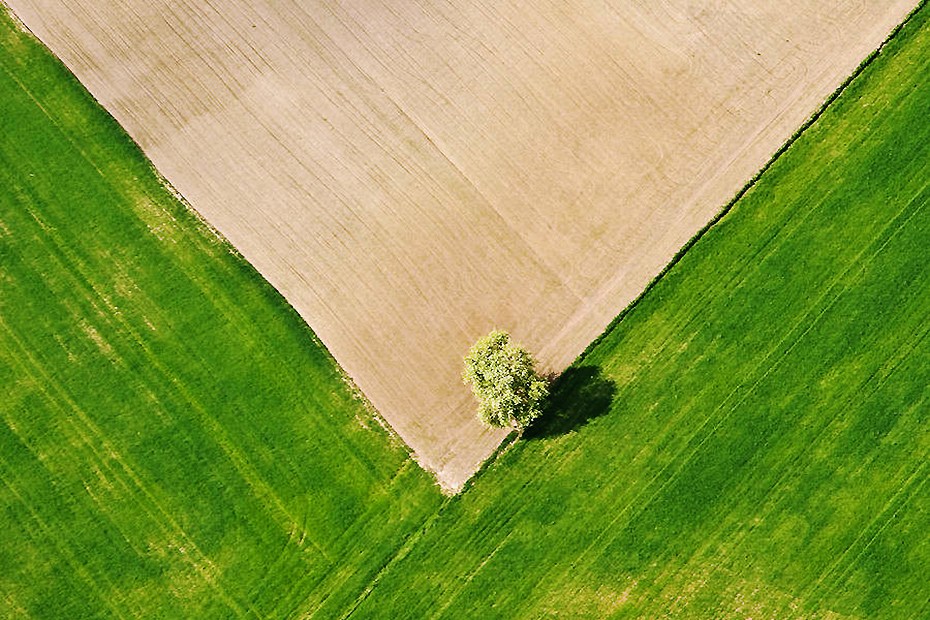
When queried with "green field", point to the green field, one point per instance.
{"points": [[763, 446], [174, 441], [750, 440]]}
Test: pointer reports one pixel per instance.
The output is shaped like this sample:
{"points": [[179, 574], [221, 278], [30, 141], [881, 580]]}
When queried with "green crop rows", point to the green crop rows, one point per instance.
{"points": [[751, 439], [760, 436], [174, 442]]}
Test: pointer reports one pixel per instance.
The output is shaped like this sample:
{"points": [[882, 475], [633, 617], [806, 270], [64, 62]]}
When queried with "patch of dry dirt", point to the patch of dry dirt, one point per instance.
{"points": [[412, 174]]}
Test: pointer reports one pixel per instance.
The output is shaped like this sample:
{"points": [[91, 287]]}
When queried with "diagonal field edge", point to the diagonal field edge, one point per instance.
{"points": [[442, 144], [755, 178]]}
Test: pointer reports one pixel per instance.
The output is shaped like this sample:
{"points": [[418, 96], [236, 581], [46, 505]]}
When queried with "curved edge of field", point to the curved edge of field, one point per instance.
{"points": [[174, 440], [751, 438]]}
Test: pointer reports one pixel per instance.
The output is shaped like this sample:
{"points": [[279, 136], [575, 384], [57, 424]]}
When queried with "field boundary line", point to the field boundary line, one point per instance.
{"points": [[402, 551], [238, 459], [680, 254], [831, 295], [82, 281], [211, 232], [834, 291]]}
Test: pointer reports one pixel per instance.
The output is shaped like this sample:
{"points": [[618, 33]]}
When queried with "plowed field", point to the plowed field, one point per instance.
{"points": [[410, 175]]}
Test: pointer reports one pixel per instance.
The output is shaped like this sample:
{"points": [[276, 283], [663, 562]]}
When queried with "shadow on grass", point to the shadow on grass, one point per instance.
{"points": [[577, 396]]}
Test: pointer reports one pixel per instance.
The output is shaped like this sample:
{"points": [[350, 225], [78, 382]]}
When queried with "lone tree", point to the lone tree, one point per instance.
{"points": [[502, 376]]}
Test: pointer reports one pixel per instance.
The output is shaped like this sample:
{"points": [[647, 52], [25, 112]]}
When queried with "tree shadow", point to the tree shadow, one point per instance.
{"points": [[576, 397]]}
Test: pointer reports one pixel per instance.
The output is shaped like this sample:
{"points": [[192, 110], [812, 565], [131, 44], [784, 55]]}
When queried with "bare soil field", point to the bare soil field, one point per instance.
{"points": [[412, 174]]}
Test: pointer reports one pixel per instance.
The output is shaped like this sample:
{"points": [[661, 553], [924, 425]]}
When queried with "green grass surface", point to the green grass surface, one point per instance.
{"points": [[174, 441], [751, 440], [764, 447]]}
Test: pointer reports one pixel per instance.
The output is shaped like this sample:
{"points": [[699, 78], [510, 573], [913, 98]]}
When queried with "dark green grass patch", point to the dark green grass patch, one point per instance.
{"points": [[764, 449], [174, 442]]}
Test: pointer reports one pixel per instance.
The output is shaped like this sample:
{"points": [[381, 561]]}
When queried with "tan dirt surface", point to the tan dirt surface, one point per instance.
{"points": [[412, 174]]}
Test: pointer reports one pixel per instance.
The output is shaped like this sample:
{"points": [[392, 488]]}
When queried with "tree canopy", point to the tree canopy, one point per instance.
{"points": [[503, 378]]}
